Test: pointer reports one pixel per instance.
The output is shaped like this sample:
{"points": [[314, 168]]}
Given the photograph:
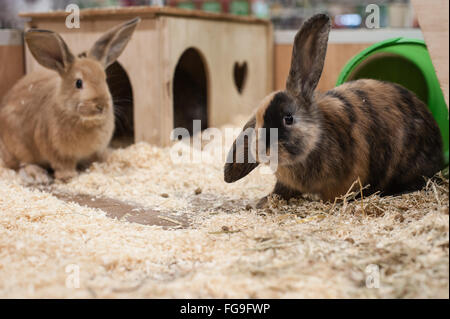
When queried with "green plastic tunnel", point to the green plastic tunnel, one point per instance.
{"points": [[406, 62]]}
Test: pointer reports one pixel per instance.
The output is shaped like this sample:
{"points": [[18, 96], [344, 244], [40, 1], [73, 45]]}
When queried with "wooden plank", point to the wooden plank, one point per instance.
{"points": [[166, 71], [130, 212], [142, 62], [434, 22], [337, 56], [12, 66], [270, 43], [146, 12], [282, 56]]}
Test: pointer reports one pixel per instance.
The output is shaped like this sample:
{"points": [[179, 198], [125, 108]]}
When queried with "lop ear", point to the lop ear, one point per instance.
{"points": [[110, 46], [49, 49], [308, 56], [240, 161]]}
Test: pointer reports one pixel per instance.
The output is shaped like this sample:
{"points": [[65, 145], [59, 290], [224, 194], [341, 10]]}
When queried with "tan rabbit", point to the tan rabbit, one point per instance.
{"points": [[59, 117], [376, 131]]}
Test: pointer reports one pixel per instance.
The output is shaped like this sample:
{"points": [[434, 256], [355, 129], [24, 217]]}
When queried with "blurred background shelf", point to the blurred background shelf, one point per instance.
{"points": [[355, 36], [285, 14]]}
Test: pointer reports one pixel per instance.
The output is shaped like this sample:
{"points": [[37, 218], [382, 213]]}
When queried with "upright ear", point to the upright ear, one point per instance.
{"points": [[49, 49], [308, 56], [240, 161], [110, 46]]}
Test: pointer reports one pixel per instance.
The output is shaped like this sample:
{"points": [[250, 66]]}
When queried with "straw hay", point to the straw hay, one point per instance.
{"points": [[304, 248]]}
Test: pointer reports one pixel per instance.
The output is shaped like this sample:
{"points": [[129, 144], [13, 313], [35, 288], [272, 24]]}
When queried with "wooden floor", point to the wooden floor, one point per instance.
{"points": [[120, 210]]}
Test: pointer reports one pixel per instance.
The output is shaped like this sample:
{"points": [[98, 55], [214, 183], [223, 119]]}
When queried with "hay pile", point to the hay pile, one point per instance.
{"points": [[299, 249]]}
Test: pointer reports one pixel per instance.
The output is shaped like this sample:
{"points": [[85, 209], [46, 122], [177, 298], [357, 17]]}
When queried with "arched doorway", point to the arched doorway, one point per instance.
{"points": [[190, 91], [122, 94]]}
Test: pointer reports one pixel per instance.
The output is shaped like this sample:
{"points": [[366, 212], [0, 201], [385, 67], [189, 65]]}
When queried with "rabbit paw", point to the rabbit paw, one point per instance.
{"points": [[65, 176], [103, 155], [33, 174], [263, 203]]}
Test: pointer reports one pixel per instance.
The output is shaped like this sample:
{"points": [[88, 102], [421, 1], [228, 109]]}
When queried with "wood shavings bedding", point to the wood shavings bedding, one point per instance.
{"points": [[304, 249]]}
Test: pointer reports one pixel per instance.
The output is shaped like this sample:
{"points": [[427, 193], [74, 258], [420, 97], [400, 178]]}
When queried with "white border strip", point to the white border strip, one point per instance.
{"points": [[11, 37], [355, 36]]}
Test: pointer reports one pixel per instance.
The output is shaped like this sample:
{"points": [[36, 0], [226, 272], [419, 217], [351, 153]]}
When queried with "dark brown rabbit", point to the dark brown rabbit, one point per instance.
{"points": [[376, 131]]}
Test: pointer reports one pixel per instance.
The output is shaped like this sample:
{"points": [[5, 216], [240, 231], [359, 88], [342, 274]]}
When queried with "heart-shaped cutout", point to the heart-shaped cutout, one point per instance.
{"points": [[240, 75]]}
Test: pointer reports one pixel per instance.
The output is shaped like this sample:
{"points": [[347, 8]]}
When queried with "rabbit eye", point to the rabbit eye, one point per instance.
{"points": [[79, 84], [288, 119]]}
